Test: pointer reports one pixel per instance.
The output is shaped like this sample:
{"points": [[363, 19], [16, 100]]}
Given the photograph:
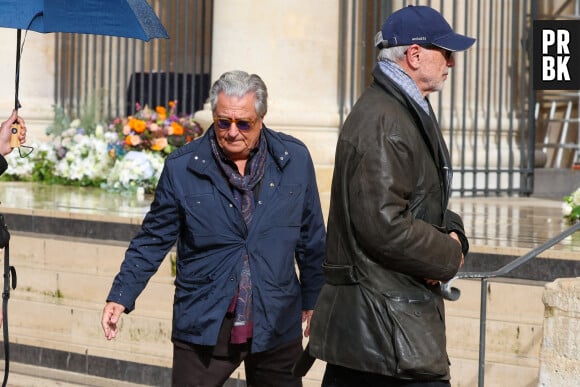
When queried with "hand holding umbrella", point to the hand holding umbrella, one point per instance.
{"points": [[12, 133]]}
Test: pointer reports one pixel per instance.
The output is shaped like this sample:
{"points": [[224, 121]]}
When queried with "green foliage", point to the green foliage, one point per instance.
{"points": [[90, 115], [60, 123], [43, 169]]}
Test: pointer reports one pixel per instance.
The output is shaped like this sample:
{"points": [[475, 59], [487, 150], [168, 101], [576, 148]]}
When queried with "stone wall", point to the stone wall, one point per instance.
{"points": [[560, 352]]}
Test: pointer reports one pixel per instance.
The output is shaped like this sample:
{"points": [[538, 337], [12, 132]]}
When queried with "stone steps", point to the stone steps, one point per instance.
{"points": [[63, 282]]}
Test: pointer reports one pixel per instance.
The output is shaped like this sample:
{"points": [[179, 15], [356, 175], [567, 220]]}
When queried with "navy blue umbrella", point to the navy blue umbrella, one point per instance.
{"points": [[123, 18]]}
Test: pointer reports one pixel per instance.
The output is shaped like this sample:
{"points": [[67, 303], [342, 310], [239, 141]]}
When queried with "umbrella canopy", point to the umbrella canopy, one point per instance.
{"points": [[123, 18]]}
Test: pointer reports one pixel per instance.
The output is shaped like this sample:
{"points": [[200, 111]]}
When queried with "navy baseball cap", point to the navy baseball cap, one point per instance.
{"points": [[420, 25]]}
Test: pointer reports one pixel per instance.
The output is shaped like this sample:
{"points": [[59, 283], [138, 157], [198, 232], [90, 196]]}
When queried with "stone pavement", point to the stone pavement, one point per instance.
{"points": [[24, 375]]}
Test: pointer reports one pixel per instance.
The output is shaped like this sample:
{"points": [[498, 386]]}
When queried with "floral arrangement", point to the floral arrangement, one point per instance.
{"points": [[155, 130], [571, 207], [125, 155]]}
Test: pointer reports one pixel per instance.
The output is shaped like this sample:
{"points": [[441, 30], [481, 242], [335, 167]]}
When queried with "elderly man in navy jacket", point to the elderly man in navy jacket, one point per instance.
{"points": [[242, 204]]}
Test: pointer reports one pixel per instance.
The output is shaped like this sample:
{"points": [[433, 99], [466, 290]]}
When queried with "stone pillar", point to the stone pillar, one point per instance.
{"points": [[293, 47], [560, 352], [36, 91]]}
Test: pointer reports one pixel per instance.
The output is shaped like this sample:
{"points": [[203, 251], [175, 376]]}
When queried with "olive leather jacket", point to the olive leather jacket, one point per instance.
{"points": [[387, 232]]}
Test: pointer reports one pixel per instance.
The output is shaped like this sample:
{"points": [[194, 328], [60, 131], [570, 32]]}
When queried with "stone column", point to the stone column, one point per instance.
{"points": [[36, 91], [560, 352], [293, 47]]}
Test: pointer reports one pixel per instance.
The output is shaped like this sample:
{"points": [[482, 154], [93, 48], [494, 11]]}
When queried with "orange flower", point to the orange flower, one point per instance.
{"points": [[161, 112], [158, 144], [138, 126], [176, 129]]}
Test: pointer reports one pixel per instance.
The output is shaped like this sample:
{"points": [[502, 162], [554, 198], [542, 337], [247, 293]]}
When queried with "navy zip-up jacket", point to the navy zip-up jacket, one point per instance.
{"points": [[195, 208]]}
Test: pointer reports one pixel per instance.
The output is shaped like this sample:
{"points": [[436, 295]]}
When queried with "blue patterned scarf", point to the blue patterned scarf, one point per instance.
{"points": [[243, 191], [401, 78]]}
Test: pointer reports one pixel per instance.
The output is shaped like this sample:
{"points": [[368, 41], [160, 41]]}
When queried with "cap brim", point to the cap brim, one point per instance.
{"points": [[454, 42]]}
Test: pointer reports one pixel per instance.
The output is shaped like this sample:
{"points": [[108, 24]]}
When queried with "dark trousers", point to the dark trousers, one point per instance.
{"points": [[337, 376], [198, 366]]}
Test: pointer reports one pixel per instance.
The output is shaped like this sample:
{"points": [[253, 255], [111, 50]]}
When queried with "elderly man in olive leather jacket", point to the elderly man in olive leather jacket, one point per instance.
{"points": [[391, 241]]}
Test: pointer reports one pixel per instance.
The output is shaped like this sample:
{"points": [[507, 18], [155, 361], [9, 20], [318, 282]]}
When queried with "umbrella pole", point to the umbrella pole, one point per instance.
{"points": [[18, 42], [15, 128]]}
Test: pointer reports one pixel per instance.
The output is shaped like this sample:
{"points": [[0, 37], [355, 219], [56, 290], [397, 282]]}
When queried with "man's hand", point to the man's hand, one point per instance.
{"points": [[6, 133], [454, 235], [306, 316], [111, 316]]}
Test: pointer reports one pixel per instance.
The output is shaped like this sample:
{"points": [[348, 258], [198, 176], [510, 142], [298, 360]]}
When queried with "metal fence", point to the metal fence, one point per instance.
{"points": [[107, 76], [483, 110]]}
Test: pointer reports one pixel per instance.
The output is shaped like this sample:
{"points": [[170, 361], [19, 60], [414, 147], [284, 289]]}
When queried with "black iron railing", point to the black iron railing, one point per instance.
{"points": [[452, 293]]}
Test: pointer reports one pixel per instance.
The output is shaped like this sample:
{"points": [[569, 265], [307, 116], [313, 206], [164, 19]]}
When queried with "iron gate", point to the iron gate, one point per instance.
{"points": [[484, 108], [106, 76], [487, 110]]}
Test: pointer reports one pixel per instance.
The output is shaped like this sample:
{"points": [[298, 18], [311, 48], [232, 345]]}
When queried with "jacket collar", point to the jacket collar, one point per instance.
{"points": [[202, 156], [426, 124]]}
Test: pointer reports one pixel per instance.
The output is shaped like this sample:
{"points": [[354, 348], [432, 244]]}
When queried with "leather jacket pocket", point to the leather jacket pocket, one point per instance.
{"points": [[418, 335]]}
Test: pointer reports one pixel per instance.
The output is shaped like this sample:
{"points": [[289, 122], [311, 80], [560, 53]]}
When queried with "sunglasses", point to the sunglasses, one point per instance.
{"points": [[226, 123], [446, 53]]}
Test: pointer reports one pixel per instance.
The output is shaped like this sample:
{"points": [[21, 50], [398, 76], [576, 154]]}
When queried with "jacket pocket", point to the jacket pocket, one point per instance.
{"points": [[195, 303], [418, 335], [288, 206]]}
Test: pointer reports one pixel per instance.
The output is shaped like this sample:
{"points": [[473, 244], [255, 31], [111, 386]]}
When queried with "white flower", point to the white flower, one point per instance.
{"points": [[19, 166], [111, 137], [99, 130], [576, 197], [23, 167], [75, 123], [69, 133], [135, 170], [571, 207], [566, 209], [87, 158]]}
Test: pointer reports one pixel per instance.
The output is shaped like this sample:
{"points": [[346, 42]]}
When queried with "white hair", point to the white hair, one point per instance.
{"points": [[392, 54]]}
